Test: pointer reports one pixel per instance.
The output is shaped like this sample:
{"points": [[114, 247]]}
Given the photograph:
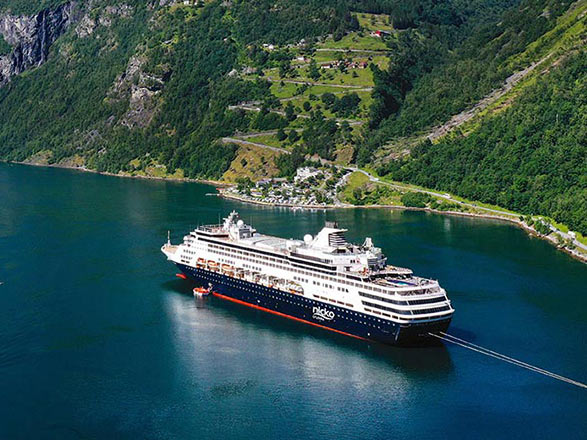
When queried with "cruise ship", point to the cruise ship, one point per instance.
{"points": [[321, 280]]}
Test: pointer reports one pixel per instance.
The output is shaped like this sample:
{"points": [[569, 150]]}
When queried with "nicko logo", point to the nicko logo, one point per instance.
{"points": [[322, 314]]}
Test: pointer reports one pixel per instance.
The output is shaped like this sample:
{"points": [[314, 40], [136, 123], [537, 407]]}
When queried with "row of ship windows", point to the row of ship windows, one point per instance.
{"points": [[304, 280], [406, 312], [333, 301], [380, 313], [248, 266], [345, 311], [330, 286], [315, 296], [402, 303]]}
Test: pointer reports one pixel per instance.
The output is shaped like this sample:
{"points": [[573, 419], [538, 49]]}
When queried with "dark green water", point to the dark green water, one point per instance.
{"points": [[99, 340]]}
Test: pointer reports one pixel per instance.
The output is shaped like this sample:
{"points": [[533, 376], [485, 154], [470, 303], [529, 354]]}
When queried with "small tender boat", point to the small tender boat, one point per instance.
{"points": [[201, 292]]}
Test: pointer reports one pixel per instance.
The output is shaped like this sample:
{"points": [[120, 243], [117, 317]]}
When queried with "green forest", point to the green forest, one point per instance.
{"points": [[530, 158]]}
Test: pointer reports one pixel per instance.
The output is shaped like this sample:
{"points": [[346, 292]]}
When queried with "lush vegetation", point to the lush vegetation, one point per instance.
{"points": [[71, 106], [158, 89], [461, 58], [530, 158], [284, 21]]}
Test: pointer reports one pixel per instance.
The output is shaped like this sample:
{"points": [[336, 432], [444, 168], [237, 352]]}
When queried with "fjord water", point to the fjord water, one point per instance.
{"points": [[98, 339]]}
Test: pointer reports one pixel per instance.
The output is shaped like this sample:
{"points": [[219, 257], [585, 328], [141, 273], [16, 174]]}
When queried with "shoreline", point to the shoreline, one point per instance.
{"points": [[219, 185], [512, 220], [216, 183]]}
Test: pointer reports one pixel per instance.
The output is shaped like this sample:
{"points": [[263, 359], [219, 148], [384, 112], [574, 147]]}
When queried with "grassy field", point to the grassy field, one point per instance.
{"points": [[355, 180], [289, 90], [344, 154], [298, 103], [374, 22], [324, 56], [254, 162], [355, 41], [352, 77]]}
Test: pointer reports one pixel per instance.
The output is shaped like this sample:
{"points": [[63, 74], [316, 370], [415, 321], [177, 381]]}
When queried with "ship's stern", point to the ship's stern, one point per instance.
{"points": [[421, 333]]}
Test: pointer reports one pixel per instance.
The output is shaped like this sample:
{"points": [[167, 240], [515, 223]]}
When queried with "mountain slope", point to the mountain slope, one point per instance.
{"points": [[135, 85], [527, 151], [530, 157], [152, 88]]}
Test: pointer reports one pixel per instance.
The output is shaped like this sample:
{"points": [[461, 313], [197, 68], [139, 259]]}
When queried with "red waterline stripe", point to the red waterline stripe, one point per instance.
{"points": [[182, 276], [228, 298]]}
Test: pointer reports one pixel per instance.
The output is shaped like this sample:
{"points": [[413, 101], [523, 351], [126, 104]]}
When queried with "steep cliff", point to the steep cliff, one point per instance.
{"points": [[32, 36]]}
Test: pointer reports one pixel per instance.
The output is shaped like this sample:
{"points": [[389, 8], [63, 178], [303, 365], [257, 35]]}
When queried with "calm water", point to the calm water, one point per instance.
{"points": [[98, 339]]}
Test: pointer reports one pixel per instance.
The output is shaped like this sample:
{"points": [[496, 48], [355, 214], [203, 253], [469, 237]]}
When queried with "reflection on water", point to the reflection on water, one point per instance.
{"points": [[210, 315]]}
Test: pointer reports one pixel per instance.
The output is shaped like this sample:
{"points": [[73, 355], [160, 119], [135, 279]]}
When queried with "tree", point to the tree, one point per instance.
{"points": [[284, 68], [290, 114], [313, 70], [416, 199], [293, 136], [243, 183], [289, 163], [542, 227], [307, 106], [328, 99], [347, 105], [281, 136]]}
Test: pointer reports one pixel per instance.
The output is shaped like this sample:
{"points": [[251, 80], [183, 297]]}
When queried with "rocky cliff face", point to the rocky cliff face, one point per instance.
{"points": [[141, 89], [32, 36]]}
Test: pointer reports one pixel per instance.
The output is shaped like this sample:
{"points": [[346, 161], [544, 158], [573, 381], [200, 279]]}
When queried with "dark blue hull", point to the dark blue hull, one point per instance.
{"points": [[315, 312]]}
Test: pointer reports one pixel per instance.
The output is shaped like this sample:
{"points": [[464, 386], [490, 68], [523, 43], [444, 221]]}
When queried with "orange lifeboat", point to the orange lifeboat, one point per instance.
{"points": [[201, 292], [228, 269]]}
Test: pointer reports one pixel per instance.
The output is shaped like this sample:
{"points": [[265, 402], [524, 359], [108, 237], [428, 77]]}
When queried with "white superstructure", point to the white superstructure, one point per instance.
{"points": [[325, 268]]}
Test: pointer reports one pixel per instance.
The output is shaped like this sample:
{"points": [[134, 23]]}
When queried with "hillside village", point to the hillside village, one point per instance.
{"points": [[310, 187], [312, 84]]}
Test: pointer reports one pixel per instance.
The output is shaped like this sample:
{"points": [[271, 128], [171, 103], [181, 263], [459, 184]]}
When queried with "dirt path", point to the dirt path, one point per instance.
{"points": [[312, 83], [232, 140], [364, 89], [376, 52], [254, 108]]}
